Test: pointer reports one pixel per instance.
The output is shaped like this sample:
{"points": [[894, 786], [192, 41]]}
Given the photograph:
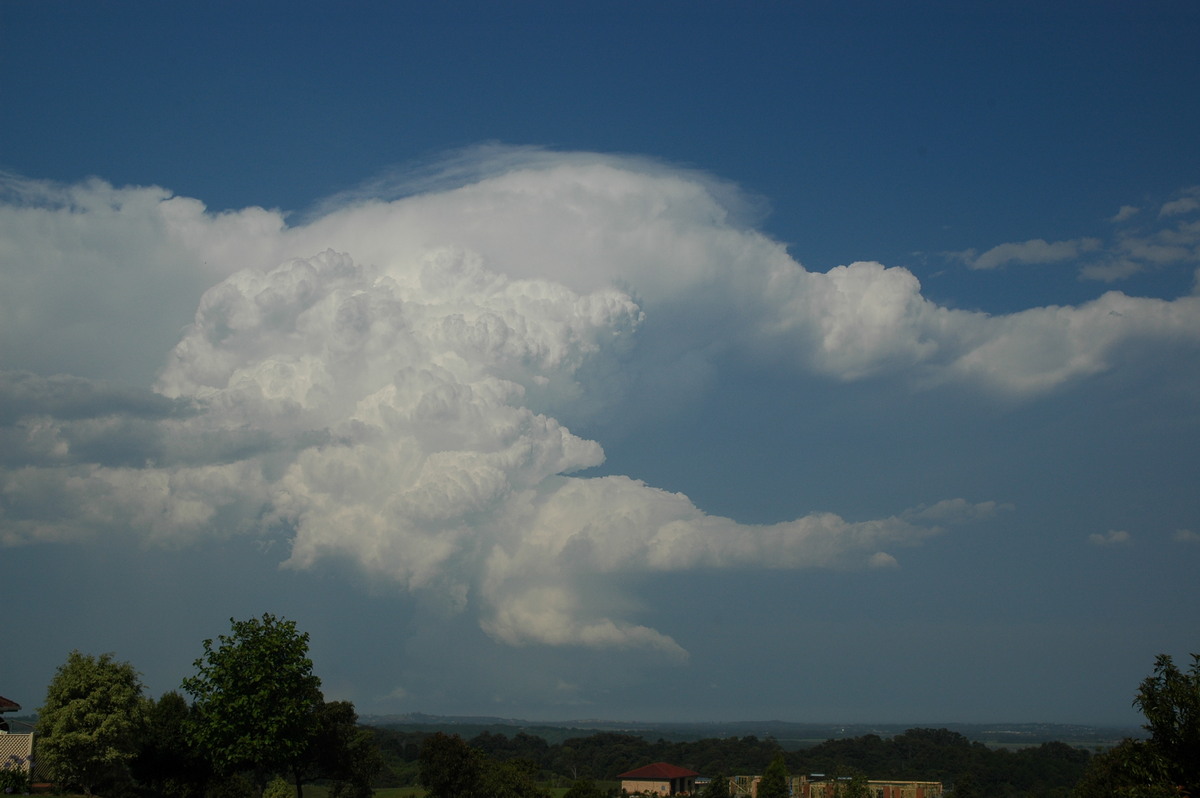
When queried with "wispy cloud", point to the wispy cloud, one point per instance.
{"points": [[1126, 213], [1186, 536], [1188, 203], [1034, 251], [1128, 251]]}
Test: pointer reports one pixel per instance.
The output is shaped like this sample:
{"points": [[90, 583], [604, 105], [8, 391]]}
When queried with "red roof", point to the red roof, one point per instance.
{"points": [[658, 771], [7, 705]]}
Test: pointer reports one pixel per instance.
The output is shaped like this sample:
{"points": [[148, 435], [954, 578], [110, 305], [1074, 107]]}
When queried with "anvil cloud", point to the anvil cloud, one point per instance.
{"points": [[394, 381]]}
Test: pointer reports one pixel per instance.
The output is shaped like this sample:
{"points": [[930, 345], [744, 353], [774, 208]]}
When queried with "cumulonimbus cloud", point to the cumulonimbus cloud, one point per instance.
{"points": [[393, 382]]}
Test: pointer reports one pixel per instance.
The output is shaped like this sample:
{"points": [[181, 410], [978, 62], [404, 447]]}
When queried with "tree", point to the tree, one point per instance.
{"points": [[513, 779], [1170, 700], [256, 700], [1169, 762], [87, 731], [774, 782], [449, 767], [1129, 770], [717, 787], [166, 764], [584, 788], [341, 752], [857, 787]]}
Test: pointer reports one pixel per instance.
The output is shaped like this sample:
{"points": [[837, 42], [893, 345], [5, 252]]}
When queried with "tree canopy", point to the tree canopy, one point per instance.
{"points": [[1168, 763], [87, 731], [1170, 700], [775, 779], [256, 699]]}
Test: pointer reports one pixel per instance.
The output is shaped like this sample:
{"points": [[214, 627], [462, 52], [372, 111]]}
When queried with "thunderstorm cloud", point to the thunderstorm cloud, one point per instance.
{"points": [[393, 381]]}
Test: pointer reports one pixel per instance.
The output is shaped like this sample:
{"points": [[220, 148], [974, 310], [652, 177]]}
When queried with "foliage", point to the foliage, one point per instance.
{"points": [[87, 731], [717, 787], [1169, 762], [14, 778], [256, 699], [856, 787], [514, 779], [341, 752], [449, 767], [1130, 770], [584, 788], [1170, 700], [166, 764], [774, 782], [277, 788], [398, 750], [1045, 771], [232, 785]]}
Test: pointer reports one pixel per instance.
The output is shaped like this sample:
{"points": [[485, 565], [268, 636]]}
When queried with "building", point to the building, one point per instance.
{"points": [[817, 786], [16, 750], [659, 779]]}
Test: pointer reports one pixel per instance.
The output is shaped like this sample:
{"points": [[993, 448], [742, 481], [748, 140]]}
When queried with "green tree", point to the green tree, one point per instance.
{"points": [[166, 764], [513, 779], [584, 788], [341, 752], [856, 787], [449, 767], [1169, 762], [774, 782], [256, 700], [87, 731], [717, 787], [1170, 700], [1130, 770]]}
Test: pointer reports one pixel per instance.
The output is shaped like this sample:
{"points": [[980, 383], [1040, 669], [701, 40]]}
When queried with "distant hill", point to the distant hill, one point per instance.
{"points": [[790, 735]]}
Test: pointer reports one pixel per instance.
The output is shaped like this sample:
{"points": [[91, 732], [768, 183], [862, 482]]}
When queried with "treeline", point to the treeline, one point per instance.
{"points": [[258, 726], [1049, 770]]}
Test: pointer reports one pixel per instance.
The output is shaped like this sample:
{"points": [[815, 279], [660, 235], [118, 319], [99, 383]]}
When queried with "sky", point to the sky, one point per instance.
{"points": [[826, 362]]}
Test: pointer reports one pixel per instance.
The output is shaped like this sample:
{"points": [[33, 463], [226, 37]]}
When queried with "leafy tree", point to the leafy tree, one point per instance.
{"points": [[166, 764], [1169, 762], [774, 782], [584, 788], [857, 787], [964, 787], [513, 779], [256, 700], [1130, 770], [449, 767], [88, 728], [1170, 700], [341, 752], [717, 787]]}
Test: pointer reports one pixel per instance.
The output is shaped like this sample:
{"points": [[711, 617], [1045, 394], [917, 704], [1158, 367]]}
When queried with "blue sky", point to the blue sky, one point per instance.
{"points": [[821, 362]]}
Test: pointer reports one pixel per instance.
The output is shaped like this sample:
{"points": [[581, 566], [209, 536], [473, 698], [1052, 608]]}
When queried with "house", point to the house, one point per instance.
{"points": [[659, 779], [16, 750], [7, 705]]}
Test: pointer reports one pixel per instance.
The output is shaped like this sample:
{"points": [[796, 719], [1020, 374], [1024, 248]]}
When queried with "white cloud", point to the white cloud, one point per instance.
{"points": [[1034, 251], [1186, 536], [98, 280], [1132, 250], [882, 559], [394, 382], [1179, 207], [1126, 213], [1113, 537]]}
